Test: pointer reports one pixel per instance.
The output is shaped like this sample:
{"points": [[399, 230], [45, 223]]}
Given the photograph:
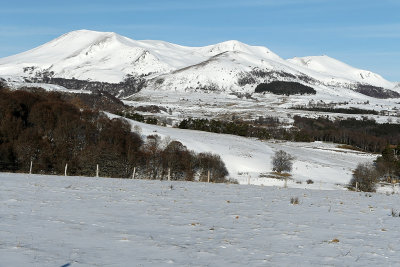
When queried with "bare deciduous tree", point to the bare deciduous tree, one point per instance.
{"points": [[365, 177], [282, 162]]}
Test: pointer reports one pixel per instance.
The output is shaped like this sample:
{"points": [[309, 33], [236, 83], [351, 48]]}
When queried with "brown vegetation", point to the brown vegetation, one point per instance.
{"points": [[53, 130]]}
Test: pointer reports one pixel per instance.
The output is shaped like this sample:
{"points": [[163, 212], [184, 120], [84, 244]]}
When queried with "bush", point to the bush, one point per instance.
{"points": [[2, 84], [294, 200], [309, 181], [210, 162], [388, 164], [364, 178], [282, 162], [179, 160], [395, 213]]}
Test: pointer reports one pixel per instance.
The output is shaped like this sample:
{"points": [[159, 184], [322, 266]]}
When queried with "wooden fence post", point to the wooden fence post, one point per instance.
{"points": [[248, 180], [30, 169], [169, 174], [97, 170], [66, 168], [134, 172], [208, 176]]}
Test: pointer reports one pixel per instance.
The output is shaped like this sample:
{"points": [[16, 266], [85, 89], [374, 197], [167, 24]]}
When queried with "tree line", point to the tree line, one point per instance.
{"points": [[285, 88], [52, 131], [351, 110], [366, 135], [236, 127]]}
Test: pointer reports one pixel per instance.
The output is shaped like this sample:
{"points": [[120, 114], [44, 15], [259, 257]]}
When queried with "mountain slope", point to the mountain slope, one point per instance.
{"points": [[332, 67], [227, 66], [85, 55]]}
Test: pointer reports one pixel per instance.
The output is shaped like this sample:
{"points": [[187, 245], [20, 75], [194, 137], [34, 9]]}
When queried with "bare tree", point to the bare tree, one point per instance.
{"points": [[282, 162], [365, 177]]}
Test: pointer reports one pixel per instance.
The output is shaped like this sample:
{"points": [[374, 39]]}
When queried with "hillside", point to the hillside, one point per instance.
{"points": [[79, 221], [328, 166]]}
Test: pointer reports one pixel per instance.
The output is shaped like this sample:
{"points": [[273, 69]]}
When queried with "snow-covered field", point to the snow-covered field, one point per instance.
{"points": [[328, 166], [80, 221], [223, 106]]}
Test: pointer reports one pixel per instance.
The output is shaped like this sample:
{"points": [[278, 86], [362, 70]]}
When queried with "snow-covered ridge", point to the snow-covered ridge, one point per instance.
{"points": [[330, 66], [109, 57]]}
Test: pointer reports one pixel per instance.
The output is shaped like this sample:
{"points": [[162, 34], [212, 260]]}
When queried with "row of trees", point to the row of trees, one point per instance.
{"points": [[328, 109], [285, 88], [367, 135], [50, 131], [227, 127]]}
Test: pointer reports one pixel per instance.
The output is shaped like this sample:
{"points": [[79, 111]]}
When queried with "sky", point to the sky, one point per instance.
{"points": [[362, 33]]}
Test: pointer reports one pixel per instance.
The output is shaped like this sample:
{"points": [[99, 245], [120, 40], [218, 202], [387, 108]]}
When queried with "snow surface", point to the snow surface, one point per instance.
{"points": [[81, 221], [46, 86], [330, 66], [225, 107], [246, 158]]}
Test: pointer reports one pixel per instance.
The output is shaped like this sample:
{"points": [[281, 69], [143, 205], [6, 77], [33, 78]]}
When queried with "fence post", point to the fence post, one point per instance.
{"points": [[208, 176], [97, 170], [356, 186], [30, 169], [169, 174], [248, 180], [66, 168], [134, 172]]}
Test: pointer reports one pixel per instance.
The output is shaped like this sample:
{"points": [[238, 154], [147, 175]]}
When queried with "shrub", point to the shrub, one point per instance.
{"points": [[309, 181], [208, 162], [395, 213], [294, 200], [151, 120], [365, 178]]}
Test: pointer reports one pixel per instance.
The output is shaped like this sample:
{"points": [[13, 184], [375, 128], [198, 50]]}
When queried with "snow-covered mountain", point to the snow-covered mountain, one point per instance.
{"points": [[333, 67], [228, 66]]}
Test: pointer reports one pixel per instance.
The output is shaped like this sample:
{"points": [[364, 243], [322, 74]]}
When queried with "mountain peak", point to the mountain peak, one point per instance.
{"points": [[227, 46], [232, 44], [85, 31], [237, 46]]}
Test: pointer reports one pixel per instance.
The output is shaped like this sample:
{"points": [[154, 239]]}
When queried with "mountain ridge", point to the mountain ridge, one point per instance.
{"points": [[110, 57]]}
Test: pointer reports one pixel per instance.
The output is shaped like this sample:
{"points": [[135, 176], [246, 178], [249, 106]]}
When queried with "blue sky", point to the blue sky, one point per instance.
{"points": [[365, 34]]}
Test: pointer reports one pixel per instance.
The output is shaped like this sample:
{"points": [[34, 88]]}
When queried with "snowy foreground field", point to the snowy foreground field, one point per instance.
{"points": [[79, 221]]}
